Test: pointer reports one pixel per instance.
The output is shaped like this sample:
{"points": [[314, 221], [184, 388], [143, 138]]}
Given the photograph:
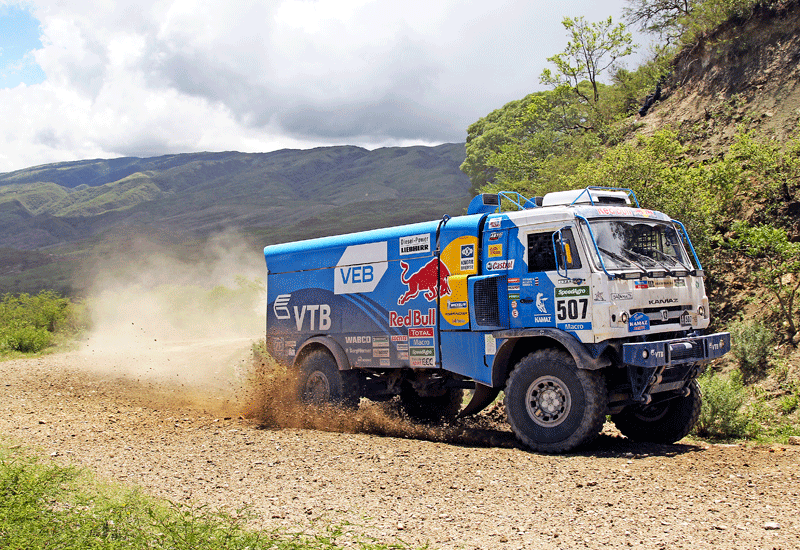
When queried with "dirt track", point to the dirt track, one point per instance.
{"points": [[449, 488]]}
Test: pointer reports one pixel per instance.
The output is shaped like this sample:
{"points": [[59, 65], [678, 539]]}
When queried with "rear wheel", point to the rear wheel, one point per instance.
{"points": [[432, 409], [551, 405], [665, 422], [320, 381]]}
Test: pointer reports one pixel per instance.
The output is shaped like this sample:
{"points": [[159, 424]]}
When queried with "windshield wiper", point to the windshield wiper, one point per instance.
{"points": [[619, 258]]}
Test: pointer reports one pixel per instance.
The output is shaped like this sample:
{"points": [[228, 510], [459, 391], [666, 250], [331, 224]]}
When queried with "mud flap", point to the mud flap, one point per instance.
{"points": [[482, 398]]}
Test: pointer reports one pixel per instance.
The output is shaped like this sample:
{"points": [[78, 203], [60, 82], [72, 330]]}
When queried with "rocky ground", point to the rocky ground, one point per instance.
{"points": [[152, 421]]}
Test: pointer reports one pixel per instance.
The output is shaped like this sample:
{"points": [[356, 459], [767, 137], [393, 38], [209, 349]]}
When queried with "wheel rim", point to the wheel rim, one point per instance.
{"points": [[548, 401], [652, 413], [317, 388]]}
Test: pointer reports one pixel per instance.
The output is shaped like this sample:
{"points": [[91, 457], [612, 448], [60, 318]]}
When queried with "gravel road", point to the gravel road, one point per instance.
{"points": [[153, 421]]}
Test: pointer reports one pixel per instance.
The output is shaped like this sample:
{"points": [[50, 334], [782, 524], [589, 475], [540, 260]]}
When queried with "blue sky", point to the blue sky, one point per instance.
{"points": [[19, 36], [152, 77]]}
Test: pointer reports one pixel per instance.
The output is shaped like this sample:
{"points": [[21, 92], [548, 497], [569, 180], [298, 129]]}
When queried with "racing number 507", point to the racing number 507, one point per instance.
{"points": [[572, 309]]}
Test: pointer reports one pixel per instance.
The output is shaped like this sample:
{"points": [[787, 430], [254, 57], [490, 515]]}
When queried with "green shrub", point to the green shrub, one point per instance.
{"points": [[751, 342], [789, 403], [24, 338], [724, 397]]}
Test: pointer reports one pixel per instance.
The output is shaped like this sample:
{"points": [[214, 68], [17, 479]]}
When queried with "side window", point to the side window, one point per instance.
{"points": [[541, 256]]}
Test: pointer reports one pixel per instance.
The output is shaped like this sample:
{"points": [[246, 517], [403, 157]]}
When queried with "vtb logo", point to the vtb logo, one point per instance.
{"points": [[425, 280]]}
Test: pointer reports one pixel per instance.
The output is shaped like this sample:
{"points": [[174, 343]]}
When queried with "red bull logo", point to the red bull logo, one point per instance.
{"points": [[431, 280]]}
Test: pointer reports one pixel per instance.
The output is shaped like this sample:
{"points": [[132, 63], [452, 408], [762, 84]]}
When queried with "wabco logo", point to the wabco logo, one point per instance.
{"points": [[431, 280]]}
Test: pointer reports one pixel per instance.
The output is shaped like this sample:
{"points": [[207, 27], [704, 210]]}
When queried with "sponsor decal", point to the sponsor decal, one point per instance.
{"points": [[357, 339], [457, 305], [380, 352], [686, 319], [281, 306], [364, 360], [514, 304], [513, 296], [399, 338], [640, 284], [513, 287], [621, 296], [385, 363], [499, 265], [622, 211], [662, 301], [680, 283], [543, 319], [513, 280], [360, 268], [598, 297], [359, 351], [638, 322], [315, 322], [495, 250], [402, 356], [660, 283], [421, 350], [540, 302], [467, 257], [495, 235], [415, 244], [380, 342], [430, 280], [575, 326], [414, 318], [495, 223], [570, 292], [515, 313], [489, 344], [402, 347]]}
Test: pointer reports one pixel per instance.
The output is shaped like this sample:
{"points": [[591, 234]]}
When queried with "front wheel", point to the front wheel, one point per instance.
{"points": [[320, 381], [665, 422], [551, 405]]}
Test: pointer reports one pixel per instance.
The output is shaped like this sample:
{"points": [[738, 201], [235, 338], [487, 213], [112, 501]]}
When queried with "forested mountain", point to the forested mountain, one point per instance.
{"points": [[51, 214]]}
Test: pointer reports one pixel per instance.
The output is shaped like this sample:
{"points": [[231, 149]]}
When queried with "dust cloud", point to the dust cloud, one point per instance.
{"points": [[184, 318], [181, 328]]}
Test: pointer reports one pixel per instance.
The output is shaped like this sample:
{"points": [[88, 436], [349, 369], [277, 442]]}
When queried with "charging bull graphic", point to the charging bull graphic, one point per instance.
{"points": [[425, 280]]}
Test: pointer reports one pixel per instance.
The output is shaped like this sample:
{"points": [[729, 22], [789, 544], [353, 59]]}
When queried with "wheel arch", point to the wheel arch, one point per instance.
{"points": [[325, 343], [520, 343]]}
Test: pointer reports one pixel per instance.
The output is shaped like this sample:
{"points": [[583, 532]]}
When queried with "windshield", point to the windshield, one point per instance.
{"points": [[639, 245]]}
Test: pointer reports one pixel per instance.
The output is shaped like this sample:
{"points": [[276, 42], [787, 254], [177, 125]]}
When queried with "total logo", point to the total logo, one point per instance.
{"points": [[318, 315], [430, 280]]}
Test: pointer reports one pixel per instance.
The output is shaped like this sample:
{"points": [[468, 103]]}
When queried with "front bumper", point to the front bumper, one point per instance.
{"points": [[697, 349]]}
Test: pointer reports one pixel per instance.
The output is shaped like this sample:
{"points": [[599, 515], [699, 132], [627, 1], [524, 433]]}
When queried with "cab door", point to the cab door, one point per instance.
{"points": [[550, 286]]}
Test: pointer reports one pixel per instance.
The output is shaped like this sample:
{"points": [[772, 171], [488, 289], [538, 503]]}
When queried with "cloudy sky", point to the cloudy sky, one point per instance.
{"points": [[97, 79]]}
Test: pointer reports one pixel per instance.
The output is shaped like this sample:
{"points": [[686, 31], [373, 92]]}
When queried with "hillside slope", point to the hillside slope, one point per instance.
{"points": [[743, 76], [202, 193]]}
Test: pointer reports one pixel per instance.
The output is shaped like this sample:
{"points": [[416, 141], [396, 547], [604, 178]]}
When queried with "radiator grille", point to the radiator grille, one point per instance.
{"points": [[487, 309]]}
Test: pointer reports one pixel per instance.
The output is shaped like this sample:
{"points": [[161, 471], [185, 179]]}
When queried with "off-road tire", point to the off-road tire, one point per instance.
{"points": [[319, 381], [432, 409], [553, 406], [665, 422]]}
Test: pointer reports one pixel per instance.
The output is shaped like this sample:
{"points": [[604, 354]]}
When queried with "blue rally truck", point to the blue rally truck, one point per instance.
{"points": [[577, 305]]}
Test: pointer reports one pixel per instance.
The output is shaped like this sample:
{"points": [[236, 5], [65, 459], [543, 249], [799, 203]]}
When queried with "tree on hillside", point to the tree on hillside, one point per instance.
{"points": [[661, 17], [592, 49]]}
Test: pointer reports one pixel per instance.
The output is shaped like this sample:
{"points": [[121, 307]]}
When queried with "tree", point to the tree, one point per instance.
{"points": [[661, 17], [592, 49], [778, 266]]}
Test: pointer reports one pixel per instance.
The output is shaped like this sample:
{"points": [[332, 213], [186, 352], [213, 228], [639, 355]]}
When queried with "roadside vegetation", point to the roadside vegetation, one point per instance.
{"points": [[736, 203], [44, 504]]}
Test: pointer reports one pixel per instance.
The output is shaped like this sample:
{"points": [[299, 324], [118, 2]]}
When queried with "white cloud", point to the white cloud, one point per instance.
{"points": [[148, 78]]}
